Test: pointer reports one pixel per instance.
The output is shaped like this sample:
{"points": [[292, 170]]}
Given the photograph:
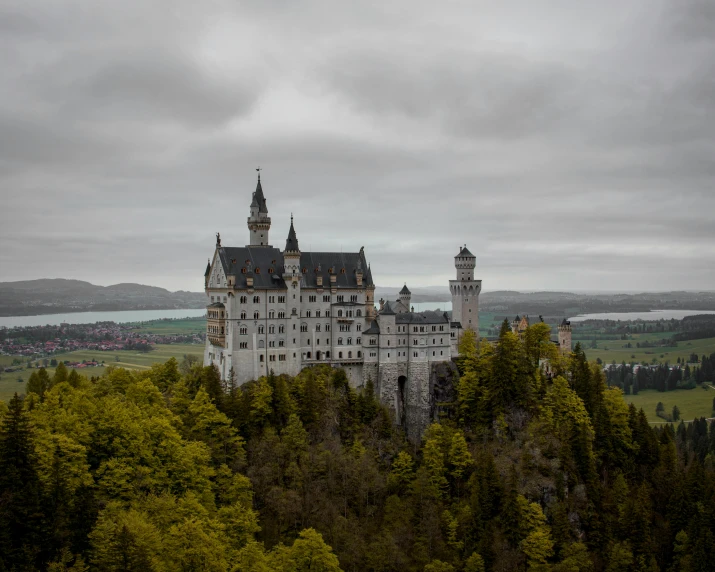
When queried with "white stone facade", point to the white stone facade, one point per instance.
{"points": [[284, 310]]}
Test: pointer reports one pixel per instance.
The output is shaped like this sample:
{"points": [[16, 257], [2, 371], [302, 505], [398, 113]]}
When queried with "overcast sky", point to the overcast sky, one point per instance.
{"points": [[570, 145]]}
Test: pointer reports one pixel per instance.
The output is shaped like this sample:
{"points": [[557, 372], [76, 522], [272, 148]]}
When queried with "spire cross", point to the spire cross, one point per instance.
{"points": [[259, 172]]}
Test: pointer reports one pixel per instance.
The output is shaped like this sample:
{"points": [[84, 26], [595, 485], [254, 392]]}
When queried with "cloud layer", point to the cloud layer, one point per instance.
{"points": [[570, 146]]}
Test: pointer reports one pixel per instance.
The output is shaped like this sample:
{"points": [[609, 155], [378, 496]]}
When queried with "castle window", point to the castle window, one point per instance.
{"points": [[243, 345], [256, 315], [317, 313], [261, 329], [327, 327], [354, 298], [350, 341], [271, 329], [340, 341], [340, 313], [305, 270], [257, 270], [358, 313], [373, 341], [281, 315], [271, 299], [261, 344], [271, 314], [307, 314], [271, 344], [341, 298], [244, 299], [358, 341], [260, 358], [282, 357], [326, 298], [441, 341], [311, 298], [243, 330], [281, 299], [304, 327], [281, 343], [256, 299], [434, 341], [350, 355], [433, 354], [327, 355], [327, 313], [281, 329], [243, 270], [440, 353], [388, 342], [359, 354], [271, 358], [358, 328], [317, 327], [340, 355], [327, 342], [342, 271]]}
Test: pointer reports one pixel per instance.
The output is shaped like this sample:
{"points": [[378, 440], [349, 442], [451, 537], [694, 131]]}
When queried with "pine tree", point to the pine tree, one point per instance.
{"points": [[60, 374], [39, 382], [20, 509]]}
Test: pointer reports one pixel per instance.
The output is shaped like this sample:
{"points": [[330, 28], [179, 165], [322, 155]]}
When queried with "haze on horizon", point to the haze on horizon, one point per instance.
{"points": [[569, 146]]}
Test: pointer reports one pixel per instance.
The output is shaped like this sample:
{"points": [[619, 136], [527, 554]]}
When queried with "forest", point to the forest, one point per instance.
{"points": [[530, 468]]}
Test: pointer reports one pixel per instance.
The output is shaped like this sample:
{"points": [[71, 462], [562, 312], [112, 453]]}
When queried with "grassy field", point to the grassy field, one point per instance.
{"points": [[173, 327], [127, 359], [691, 402], [613, 350]]}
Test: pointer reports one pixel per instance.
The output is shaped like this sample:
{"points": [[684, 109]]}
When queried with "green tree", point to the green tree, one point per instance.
{"points": [[61, 374], [676, 413], [38, 383]]}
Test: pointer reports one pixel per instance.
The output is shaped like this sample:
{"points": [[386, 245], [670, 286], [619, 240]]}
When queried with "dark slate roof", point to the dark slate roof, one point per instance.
{"points": [[266, 259], [388, 311], [292, 242], [426, 317], [216, 305], [373, 329], [397, 307], [455, 325], [320, 263], [464, 251], [405, 290], [367, 279], [269, 263], [517, 319], [259, 198], [565, 322], [208, 269]]}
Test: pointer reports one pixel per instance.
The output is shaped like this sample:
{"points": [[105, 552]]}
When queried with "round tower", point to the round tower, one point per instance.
{"points": [[565, 336], [465, 291]]}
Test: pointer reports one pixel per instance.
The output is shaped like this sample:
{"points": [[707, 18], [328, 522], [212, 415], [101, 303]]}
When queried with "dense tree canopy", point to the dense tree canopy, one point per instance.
{"points": [[537, 465]]}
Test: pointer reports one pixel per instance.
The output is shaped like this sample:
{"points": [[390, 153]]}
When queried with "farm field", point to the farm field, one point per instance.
{"points": [[127, 359], [671, 354], [692, 403], [184, 327]]}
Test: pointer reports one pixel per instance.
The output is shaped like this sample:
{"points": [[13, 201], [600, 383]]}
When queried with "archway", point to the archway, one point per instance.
{"points": [[401, 384]]}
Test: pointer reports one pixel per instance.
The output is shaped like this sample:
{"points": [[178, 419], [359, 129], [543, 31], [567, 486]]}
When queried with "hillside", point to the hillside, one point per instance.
{"points": [[57, 295]]}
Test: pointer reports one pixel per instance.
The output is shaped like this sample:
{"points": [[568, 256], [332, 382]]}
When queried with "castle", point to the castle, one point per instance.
{"points": [[272, 310]]}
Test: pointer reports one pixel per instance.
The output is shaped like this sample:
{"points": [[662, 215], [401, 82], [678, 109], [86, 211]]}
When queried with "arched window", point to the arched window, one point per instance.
{"points": [[350, 341], [261, 330], [327, 355], [307, 313], [340, 355], [271, 314], [358, 313], [317, 327], [244, 299], [340, 313], [340, 341], [281, 329], [271, 329], [243, 330], [388, 329], [243, 315], [350, 354], [261, 344], [359, 354], [307, 355], [256, 299], [256, 315]]}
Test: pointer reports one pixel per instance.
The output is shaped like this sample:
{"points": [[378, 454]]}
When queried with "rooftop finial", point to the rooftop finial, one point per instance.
{"points": [[291, 218], [259, 172]]}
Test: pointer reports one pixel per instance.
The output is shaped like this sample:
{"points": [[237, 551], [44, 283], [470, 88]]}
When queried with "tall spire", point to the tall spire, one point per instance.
{"points": [[259, 223], [292, 242], [258, 195]]}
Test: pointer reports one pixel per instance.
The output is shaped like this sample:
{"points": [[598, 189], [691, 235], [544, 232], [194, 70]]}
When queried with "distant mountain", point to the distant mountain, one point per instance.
{"points": [[58, 295]]}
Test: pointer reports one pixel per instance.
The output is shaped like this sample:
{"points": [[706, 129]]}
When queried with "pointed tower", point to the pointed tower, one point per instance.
{"points": [[465, 291], [406, 297], [565, 336], [207, 274], [259, 223]]}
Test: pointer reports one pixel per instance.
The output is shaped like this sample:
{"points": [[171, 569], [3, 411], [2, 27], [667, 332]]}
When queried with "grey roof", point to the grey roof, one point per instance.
{"points": [[426, 317], [258, 197], [292, 241], [321, 263], [216, 305], [405, 290], [464, 251], [373, 329], [388, 311], [265, 265], [397, 307], [208, 269], [565, 322]]}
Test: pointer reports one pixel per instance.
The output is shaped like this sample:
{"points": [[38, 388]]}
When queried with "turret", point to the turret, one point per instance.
{"points": [[565, 336], [405, 297], [259, 223], [291, 254], [465, 291], [465, 262], [207, 274]]}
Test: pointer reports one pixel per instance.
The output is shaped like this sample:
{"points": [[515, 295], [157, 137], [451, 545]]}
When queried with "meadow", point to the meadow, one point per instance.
{"points": [[129, 359], [692, 403], [609, 350]]}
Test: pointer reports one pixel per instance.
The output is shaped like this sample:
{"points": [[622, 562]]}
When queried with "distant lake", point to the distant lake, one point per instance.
{"points": [[648, 316], [92, 317]]}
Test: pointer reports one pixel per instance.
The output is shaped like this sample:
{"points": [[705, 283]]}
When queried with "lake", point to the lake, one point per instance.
{"points": [[648, 316], [92, 317]]}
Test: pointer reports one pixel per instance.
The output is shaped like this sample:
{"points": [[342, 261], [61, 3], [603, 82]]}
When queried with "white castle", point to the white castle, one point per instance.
{"points": [[281, 311]]}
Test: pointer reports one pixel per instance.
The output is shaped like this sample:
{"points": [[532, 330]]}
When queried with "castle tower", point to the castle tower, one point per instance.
{"points": [[259, 223], [465, 291], [292, 277], [405, 297], [565, 337]]}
